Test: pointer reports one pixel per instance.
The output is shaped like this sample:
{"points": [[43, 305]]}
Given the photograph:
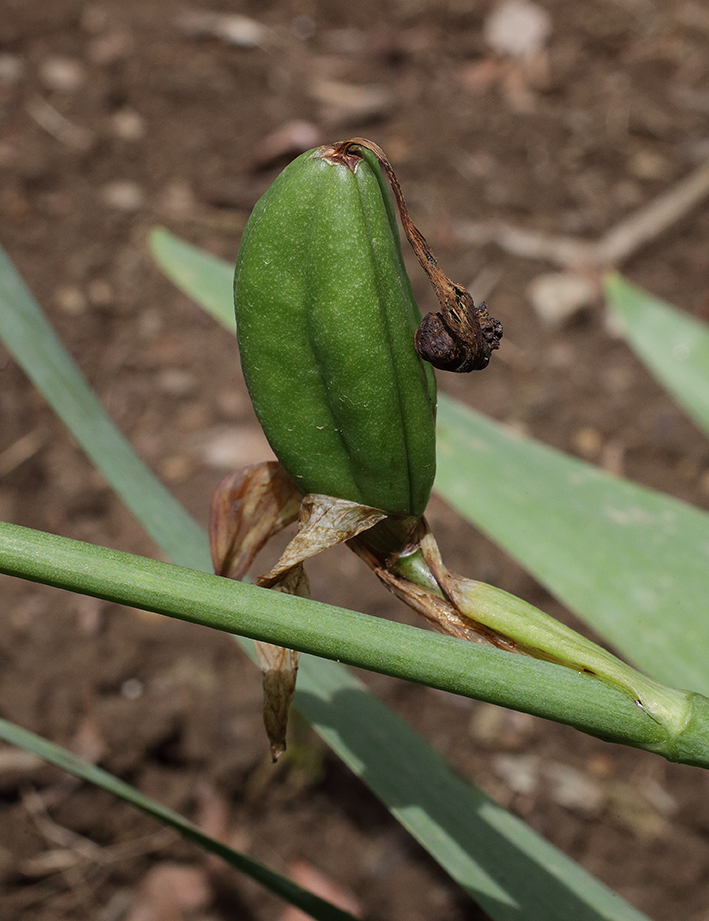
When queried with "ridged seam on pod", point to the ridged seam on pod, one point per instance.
{"points": [[326, 322]]}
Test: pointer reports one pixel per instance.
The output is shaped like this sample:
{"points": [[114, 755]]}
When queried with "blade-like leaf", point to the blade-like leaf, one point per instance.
{"points": [[192, 269], [325, 698], [68, 761], [428, 801], [673, 345]]}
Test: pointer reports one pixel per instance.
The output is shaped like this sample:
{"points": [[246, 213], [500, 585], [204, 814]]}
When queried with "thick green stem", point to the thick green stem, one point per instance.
{"points": [[519, 682]]}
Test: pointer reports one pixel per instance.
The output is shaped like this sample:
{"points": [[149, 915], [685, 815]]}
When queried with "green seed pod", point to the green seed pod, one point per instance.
{"points": [[326, 321]]}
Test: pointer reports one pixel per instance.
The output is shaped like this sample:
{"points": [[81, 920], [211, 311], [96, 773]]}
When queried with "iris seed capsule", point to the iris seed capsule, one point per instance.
{"points": [[326, 324]]}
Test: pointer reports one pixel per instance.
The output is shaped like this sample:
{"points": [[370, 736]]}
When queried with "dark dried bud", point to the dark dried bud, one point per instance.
{"points": [[462, 337]]}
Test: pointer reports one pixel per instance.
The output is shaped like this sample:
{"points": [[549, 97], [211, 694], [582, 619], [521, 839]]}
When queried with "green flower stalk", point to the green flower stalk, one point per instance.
{"points": [[339, 367]]}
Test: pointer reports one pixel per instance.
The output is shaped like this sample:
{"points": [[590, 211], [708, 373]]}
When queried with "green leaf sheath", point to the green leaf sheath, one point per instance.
{"points": [[326, 322]]}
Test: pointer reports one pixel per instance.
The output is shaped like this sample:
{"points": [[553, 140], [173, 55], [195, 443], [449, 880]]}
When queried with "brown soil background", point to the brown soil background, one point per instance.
{"points": [[172, 130]]}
